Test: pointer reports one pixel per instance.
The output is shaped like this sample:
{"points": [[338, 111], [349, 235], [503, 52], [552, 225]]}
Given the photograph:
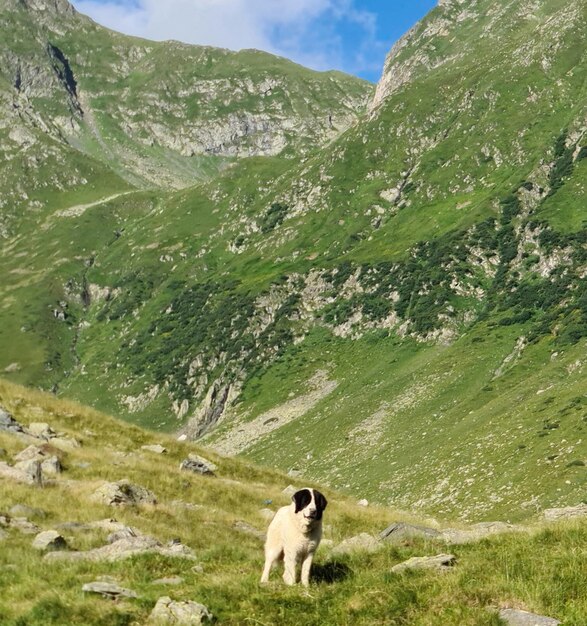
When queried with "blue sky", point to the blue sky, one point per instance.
{"points": [[349, 35]]}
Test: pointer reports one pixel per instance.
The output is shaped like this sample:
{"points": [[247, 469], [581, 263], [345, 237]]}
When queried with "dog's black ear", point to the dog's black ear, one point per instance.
{"points": [[320, 500], [302, 498]]}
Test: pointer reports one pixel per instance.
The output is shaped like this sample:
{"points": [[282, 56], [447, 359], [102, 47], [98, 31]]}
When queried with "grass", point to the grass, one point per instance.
{"points": [[542, 571]]}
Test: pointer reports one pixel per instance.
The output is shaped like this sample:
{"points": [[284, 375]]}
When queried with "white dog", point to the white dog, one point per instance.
{"points": [[294, 535]]}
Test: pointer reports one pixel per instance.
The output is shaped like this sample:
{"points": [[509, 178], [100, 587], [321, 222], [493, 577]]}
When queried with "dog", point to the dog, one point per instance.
{"points": [[294, 535]]}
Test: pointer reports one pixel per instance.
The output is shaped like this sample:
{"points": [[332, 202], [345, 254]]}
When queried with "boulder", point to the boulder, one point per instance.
{"points": [[360, 543], [289, 491], [247, 529], [567, 512], [267, 514], [171, 580], [363, 502], [123, 493], [123, 533], [399, 532], [123, 549], [156, 448], [438, 562], [515, 617], [49, 540], [8, 423], [109, 590], [21, 524], [29, 473], [198, 465], [30, 453], [41, 430], [23, 510], [65, 443], [476, 532], [188, 613]]}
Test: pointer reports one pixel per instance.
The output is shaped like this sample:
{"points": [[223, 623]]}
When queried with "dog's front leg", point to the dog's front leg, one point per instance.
{"points": [[306, 565], [290, 562]]}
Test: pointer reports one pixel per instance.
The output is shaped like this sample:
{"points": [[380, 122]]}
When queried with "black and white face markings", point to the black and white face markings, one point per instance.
{"points": [[311, 502]]}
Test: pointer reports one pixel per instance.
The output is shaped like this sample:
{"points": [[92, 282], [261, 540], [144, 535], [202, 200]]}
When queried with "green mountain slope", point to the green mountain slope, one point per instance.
{"points": [[402, 309], [208, 529]]}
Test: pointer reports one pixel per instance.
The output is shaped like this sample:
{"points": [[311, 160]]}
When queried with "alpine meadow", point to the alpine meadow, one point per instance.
{"points": [[377, 290]]}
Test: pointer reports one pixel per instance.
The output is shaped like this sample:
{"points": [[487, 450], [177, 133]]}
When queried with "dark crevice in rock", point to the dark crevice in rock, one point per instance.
{"points": [[62, 68]]}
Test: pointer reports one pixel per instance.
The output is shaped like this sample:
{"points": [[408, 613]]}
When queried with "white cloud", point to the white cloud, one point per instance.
{"points": [[307, 31]]}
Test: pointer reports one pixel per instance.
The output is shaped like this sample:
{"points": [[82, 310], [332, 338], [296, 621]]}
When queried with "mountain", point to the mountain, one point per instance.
{"points": [[401, 308], [199, 538]]}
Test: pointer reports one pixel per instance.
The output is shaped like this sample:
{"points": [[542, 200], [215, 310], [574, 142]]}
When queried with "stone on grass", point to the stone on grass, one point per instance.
{"points": [[108, 590], [567, 512], [267, 514], [8, 423], [49, 540], [123, 549], [198, 464], [30, 473], [363, 502], [41, 430], [23, 510], [123, 493], [247, 529], [360, 543], [515, 617], [156, 448], [398, 532], [171, 580], [123, 533], [476, 532], [438, 562], [188, 613], [21, 524], [65, 443], [289, 490]]}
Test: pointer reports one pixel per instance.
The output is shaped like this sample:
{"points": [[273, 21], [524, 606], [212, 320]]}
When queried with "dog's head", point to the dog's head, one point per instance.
{"points": [[310, 503]]}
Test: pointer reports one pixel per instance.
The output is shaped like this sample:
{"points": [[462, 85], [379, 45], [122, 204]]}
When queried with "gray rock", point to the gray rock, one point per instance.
{"points": [[247, 529], [438, 562], [198, 464], [360, 543], [109, 590], [21, 524], [123, 493], [30, 474], [289, 490], [171, 580], [123, 533], [123, 549], [267, 514], [51, 466], [156, 448], [477, 532], [30, 453], [188, 613], [49, 540], [515, 617], [567, 512], [398, 532], [65, 443], [8, 423], [23, 510], [41, 430]]}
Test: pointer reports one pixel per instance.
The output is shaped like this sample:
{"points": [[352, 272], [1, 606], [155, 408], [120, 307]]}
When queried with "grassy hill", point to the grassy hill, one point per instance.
{"points": [[541, 570], [403, 303]]}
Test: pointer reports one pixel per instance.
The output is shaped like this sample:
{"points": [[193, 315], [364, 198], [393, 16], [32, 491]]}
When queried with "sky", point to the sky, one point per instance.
{"points": [[349, 35]]}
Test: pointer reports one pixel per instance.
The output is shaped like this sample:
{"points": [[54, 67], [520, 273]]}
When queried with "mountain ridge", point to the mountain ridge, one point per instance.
{"points": [[428, 263]]}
